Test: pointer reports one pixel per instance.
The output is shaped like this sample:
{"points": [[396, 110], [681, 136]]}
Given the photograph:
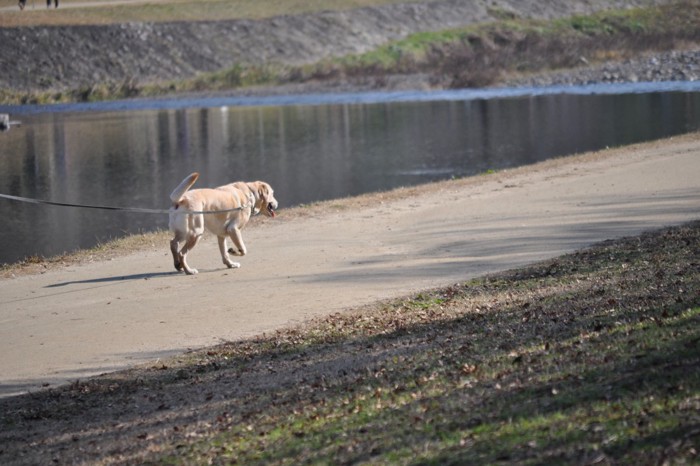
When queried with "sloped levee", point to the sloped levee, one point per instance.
{"points": [[65, 57]]}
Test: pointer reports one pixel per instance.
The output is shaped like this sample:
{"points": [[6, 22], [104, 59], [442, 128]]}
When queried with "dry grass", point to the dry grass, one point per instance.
{"points": [[102, 252]]}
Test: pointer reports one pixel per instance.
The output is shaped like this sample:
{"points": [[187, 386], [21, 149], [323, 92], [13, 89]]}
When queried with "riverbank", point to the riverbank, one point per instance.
{"points": [[365, 363]]}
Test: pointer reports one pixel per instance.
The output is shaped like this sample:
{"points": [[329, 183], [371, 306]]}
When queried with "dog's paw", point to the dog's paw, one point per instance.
{"points": [[234, 252], [234, 265], [192, 272]]}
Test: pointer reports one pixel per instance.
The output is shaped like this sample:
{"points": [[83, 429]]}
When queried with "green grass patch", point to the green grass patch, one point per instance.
{"points": [[479, 55]]}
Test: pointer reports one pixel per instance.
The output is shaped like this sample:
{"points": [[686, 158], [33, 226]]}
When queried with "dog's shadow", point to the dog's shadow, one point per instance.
{"points": [[116, 279]]}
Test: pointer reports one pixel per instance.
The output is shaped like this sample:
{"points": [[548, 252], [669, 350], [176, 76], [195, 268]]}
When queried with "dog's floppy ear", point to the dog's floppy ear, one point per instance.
{"points": [[263, 190]]}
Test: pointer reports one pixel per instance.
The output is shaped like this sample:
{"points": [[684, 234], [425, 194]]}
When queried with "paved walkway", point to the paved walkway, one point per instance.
{"points": [[62, 4]]}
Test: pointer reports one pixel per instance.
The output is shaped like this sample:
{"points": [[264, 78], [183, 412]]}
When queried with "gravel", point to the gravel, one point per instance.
{"points": [[657, 67]]}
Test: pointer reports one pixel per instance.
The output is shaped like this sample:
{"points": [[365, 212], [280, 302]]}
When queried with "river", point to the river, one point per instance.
{"points": [[308, 147]]}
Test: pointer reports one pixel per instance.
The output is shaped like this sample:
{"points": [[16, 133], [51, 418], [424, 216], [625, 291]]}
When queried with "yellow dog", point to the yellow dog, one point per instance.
{"points": [[234, 203]]}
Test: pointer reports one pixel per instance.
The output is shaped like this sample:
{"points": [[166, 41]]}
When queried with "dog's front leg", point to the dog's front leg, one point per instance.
{"points": [[224, 254], [238, 245]]}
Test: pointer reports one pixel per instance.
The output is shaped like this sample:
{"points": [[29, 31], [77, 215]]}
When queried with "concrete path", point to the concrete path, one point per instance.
{"points": [[41, 4], [84, 320]]}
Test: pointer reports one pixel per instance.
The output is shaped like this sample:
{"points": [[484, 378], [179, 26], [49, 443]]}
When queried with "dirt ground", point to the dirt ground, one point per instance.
{"points": [[80, 320]]}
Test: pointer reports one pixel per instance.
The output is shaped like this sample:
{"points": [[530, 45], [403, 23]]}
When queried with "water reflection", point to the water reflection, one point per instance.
{"points": [[307, 152]]}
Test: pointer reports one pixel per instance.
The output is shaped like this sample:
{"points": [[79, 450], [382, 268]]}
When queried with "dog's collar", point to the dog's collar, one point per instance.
{"points": [[251, 201], [252, 198]]}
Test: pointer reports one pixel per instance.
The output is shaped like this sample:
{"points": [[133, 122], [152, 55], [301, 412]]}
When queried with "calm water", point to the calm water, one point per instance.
{"points": [[312, 148]]}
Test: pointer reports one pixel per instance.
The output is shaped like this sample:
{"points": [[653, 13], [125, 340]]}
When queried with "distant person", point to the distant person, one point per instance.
{"points": [[22, 4], [48, 3]]}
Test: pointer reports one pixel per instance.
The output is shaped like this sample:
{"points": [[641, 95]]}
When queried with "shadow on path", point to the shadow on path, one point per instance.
{"points": [[118, 278]]}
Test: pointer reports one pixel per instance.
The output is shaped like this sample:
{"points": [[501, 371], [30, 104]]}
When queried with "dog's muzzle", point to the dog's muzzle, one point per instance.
{"points": [[271, 209]]}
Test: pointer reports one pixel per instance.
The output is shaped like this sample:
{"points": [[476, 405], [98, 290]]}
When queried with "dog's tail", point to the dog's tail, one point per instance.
{"points": [[183, 187]]}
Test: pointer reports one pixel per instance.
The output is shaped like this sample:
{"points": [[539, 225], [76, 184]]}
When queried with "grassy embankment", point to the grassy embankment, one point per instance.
{"points": [[590, 358], [475, 56], [481, 55]]}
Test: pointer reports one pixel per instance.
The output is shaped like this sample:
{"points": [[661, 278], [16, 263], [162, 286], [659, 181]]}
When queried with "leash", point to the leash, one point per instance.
{"points": [[137, 210]]}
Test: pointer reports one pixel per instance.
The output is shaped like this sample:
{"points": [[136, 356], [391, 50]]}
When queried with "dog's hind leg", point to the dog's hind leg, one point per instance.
{"points": [[174, 246], [179, 226], [224, 254], [194, 231], [191, 242]]}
